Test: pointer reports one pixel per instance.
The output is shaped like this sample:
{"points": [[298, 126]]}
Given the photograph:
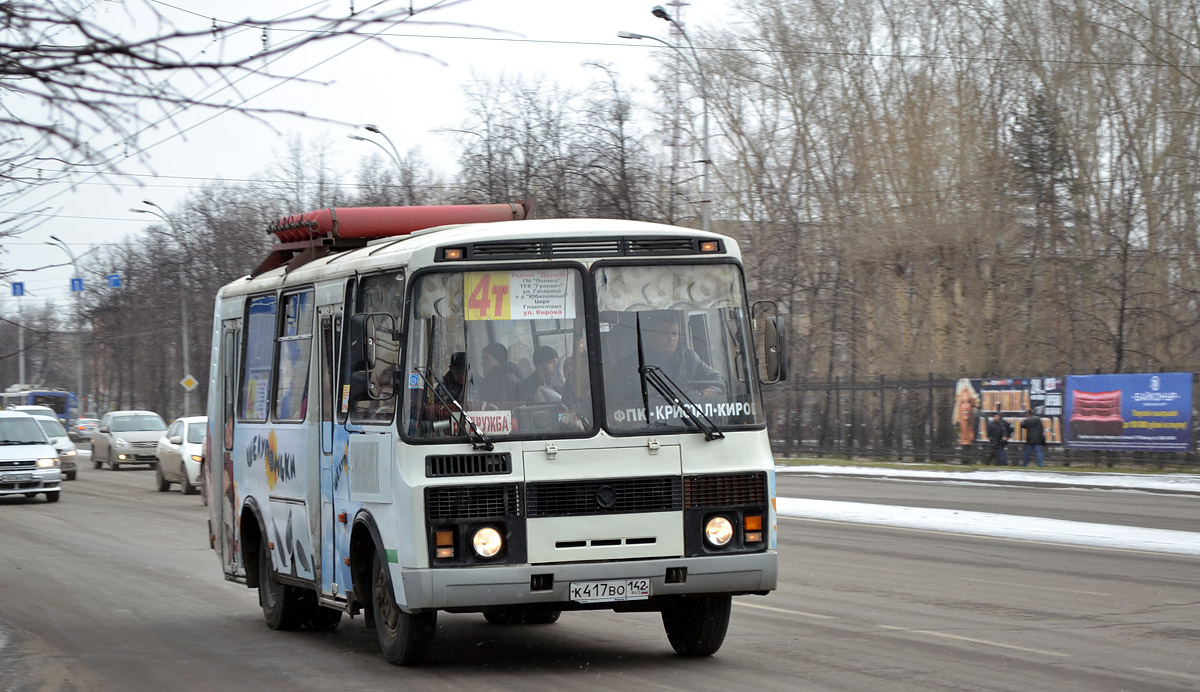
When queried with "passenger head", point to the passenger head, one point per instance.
{"points": [[493, 354], [458, 365], [661, 332], [545, 359]]}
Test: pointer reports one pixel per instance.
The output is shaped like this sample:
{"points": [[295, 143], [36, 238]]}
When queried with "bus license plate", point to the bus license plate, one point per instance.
{"points": [[616, 590]]}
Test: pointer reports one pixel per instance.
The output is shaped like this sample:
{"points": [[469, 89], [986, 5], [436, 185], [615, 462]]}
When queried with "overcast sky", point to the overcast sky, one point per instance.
{"points": [[407, 95]]}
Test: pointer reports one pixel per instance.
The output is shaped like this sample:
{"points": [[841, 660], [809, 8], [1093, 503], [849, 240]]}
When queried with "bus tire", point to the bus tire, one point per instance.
{"points": [[283, 606], [542, 617], [404, 638], [697, 626], [323, 619]]}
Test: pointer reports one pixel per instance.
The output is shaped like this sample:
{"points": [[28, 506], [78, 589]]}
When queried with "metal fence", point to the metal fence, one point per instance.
{"points": [[908, 420]]}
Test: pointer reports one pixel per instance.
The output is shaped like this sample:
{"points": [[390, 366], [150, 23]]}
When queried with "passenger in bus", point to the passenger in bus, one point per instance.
{"points": [[662, 347], [455, 378], [501, 379], [539, 386]]}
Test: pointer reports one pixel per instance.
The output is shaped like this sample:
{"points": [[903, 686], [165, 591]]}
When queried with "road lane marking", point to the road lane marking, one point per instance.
{"points": [[842, 564], [801, 613], [1035, 586], [1171, 673], [947, 635]]}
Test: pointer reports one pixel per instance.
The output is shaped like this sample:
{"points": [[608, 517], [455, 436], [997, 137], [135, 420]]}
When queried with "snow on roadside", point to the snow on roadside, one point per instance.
{"points": [[1176, 482], [998, 525]]}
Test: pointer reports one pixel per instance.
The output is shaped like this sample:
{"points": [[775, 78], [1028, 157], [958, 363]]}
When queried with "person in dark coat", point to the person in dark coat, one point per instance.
{"points": [[998, 432], [1035, 438], [660, 336], [501, 379], [539, 386]]}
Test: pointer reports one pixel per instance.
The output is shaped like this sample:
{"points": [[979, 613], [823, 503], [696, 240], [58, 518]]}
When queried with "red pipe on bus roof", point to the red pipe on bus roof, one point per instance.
{"points": [[382, 222]]}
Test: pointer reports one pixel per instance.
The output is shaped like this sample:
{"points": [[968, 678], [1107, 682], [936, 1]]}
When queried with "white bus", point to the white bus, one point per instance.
{"points": [[423, 409]]}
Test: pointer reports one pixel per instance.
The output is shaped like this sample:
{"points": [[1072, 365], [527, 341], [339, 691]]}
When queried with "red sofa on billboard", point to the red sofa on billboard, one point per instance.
{"points": [[1096, 413]]}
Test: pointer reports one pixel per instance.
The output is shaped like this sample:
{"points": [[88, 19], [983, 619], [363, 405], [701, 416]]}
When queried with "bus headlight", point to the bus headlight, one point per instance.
{"points": [[487, 542], [47, 463], [718, 531]]}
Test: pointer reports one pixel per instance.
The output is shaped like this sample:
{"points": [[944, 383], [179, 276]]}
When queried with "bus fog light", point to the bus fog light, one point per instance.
{"points": [[718, 531], [487, 542], [754, 536]]}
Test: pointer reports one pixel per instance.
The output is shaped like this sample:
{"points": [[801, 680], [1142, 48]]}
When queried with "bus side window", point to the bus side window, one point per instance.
{"points": [[382, 295], [255, 391]]}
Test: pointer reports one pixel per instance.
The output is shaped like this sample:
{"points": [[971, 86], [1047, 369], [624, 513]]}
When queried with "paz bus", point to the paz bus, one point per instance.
{"points": [[459, 409]]}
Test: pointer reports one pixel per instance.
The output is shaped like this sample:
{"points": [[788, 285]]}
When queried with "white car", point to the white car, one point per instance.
{"points": [[61, 442], [28, 464], [179, 454]]}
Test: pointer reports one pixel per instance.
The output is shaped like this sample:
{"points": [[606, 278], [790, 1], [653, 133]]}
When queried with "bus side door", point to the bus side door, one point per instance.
{"points": [[332, 448]]}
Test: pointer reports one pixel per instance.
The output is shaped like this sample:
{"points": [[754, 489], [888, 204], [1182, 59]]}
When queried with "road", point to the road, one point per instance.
{"points": [[114, 588]]}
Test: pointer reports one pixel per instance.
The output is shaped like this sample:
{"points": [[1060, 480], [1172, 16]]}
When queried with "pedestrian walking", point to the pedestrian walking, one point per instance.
{"points": [[1035, 438], [998, 432]]}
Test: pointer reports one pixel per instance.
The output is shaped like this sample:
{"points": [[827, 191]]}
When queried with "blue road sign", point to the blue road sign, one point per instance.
{"points": [[18, 288], [114, 280], [76, 285]]}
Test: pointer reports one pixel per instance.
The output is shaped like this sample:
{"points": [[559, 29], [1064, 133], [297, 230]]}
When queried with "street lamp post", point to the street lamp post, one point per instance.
{"points": [[79, 391], [695, 66], [393, 154], [185, 342]]}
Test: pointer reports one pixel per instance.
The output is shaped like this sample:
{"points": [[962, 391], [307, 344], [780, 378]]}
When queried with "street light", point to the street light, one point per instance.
{"points": [[695, 66], [393, 154], [79, 391], [183, 303]]}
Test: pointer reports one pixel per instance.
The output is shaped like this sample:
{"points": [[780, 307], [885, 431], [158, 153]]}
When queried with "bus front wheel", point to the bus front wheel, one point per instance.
{"points": [[697, 626], [404, 638]]}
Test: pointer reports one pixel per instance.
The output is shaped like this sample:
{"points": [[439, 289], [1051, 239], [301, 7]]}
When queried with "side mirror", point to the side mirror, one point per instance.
{"points": [[175, 439], [103, 429], [366, 380], [775, 346]]}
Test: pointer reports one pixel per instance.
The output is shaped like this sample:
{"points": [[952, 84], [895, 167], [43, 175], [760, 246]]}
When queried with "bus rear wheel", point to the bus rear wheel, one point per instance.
{"points": [[404, 638], [697, 626], [283, 606]]}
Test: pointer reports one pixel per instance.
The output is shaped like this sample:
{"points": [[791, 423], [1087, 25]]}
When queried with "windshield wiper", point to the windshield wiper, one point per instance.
{"points": [[672, 392], [478, 439]]}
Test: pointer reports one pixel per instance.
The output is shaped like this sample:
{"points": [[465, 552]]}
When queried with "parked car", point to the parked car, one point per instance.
{"points": [[61, 442], [83, 429], [28, 464], [127, 437], [179, 453]]}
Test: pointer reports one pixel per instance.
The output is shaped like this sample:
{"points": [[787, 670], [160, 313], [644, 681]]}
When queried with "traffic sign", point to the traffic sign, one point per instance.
{"points": [[76, 285], [188, 382], [114, 280], [18, 288]]}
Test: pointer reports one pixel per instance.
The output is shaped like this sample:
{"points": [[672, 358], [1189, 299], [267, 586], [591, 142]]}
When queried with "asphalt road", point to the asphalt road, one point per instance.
{"points": [[114, 588]]}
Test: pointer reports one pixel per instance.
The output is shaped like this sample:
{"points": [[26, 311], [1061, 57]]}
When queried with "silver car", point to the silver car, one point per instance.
{"points": [[127, 437], [179, 453], [61, 442], [28, 464], [84, 428]]}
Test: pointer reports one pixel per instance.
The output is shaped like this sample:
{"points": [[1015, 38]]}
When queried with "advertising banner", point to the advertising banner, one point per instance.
{"points": [[975, 400], [1150, 412]]}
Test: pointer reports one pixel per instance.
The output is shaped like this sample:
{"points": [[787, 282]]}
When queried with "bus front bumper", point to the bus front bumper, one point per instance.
{"points": [[482, 587]]}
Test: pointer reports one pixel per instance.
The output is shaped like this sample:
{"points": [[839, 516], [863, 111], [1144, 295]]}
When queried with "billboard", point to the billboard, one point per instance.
{"points": [[1150, 412], [975, 400]]}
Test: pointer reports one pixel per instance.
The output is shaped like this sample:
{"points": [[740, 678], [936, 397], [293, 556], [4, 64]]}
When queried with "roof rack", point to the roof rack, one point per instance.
{"points": [[301, 238]]}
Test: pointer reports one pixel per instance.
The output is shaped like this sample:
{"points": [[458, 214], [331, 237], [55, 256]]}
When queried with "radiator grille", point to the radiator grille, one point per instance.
{"points": [[604, 496], [726, 490], [364, 469], [451, 502], [450, 465]]}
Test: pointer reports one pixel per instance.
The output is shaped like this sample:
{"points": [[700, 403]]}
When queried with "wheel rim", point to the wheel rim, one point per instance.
{"points": [[388, 610]]}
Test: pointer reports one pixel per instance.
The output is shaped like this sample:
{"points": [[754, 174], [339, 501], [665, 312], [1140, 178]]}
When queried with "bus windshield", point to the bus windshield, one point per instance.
{"points": [[504, 347], [675, 347]]}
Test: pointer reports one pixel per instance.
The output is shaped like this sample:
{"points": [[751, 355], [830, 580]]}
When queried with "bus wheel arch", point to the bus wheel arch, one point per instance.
{"points": [[252, 530]]}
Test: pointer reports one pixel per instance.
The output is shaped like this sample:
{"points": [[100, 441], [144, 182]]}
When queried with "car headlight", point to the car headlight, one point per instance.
{"points": [[47, 463], [120, 443], [67, 453], [487, 542], [718, 531]]}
